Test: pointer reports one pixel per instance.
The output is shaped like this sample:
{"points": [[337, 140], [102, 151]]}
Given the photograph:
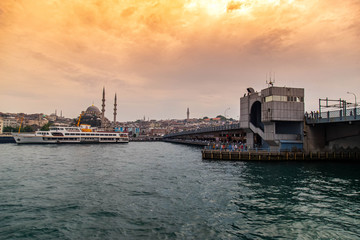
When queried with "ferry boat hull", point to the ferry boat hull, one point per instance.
{"points": [[27, 138], [69, 135]]}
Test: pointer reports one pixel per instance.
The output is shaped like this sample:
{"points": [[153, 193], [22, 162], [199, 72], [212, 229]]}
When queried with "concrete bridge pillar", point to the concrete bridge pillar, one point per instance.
{"points": [[250, 139]]}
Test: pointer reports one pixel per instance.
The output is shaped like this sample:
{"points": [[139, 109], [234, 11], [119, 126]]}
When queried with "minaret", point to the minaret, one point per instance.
{"points": [[115, 104], [103, 110], [188, 114]]}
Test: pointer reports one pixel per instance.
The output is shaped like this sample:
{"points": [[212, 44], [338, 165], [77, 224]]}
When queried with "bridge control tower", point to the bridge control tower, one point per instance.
{"points": [[273, 118]]}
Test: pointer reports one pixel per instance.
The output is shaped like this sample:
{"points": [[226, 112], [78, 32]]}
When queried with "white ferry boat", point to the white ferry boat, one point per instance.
{"points": [[70, 135]]}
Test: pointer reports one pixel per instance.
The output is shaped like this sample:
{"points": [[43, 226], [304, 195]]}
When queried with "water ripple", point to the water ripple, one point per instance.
{"points": [[165, 191]]}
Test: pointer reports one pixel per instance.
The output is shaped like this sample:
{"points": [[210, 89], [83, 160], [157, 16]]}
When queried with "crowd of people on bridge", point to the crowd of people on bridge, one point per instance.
{"points": [[235, 146], [312, 115]]}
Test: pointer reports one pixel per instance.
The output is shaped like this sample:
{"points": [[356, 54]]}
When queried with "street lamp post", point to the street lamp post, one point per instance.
{"points": [[355, 102]]}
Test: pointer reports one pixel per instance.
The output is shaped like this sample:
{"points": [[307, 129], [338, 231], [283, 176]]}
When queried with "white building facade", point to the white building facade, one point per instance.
{"points": [[10, 122], [1, 125]]}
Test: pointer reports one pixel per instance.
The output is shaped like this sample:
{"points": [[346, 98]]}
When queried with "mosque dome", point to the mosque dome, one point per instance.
{"points": [[93, 110]]}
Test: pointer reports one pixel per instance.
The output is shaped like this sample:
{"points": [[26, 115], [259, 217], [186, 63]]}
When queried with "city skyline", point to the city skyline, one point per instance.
{"points": [[162, 57]]}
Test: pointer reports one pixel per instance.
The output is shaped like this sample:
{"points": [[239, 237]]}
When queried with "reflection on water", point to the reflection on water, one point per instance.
{"points": [[162, 190]]}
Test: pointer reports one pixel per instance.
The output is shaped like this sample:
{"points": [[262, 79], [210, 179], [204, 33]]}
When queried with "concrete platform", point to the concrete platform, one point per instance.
{"points": [[279, 156]]}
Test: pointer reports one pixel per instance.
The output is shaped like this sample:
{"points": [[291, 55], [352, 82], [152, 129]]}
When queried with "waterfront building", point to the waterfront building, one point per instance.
{"points": [[91, 116], [273, 118], [96, 118], [37, 122], [52, 117], [158, 131], [10, 122], [1, 125]]}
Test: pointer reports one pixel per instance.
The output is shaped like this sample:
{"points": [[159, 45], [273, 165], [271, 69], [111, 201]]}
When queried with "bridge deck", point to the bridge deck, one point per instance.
{"points": [[352, 114], [205, 130]]}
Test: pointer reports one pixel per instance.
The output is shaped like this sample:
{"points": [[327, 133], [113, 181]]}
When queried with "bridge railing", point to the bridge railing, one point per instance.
{"points": [[340, 115], [205, 130]]}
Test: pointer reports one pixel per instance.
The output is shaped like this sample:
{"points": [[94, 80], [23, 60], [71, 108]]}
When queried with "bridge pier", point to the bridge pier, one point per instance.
{"points": [[332, 136]]}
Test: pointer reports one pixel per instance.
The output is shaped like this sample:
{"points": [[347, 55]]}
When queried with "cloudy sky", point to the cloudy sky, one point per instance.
{"points": [[162, 56]]}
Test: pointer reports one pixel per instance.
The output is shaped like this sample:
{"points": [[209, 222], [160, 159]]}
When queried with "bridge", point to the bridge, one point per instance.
{"points": [[335, 116], [336, 129], [274, 119], [202, 136]]}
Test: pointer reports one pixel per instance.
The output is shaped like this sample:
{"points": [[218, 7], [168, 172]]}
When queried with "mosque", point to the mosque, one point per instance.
{"points": [[96, 118]]}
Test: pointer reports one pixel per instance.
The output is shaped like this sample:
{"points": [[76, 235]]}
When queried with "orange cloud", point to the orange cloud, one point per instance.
{"points": [[160, 49], [233, 5]]}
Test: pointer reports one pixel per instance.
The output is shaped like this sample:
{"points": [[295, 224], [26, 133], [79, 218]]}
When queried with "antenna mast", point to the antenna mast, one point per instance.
{"points": [[271, 81]]}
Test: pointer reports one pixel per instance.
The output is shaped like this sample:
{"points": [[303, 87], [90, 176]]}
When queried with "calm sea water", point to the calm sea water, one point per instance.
{"points": [[166, 191]]}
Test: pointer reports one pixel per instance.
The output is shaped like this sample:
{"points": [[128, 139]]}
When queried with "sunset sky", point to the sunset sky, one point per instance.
{"points": [[162, 56]]}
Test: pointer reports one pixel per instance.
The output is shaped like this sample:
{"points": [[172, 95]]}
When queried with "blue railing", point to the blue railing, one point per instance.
{"points": [[350, 114]]}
